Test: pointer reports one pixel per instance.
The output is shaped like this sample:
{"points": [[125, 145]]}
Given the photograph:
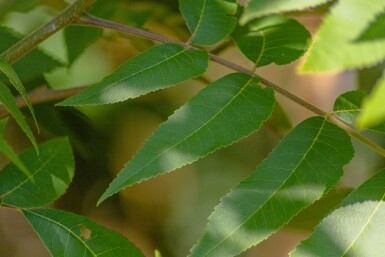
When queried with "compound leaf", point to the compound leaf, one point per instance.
{"points": [[302, 168], [270, 39], [258, 8], [355, 229], [336, 48], [51, 172], [68, 234], [209, 21], [159, 67], [219, 115]]}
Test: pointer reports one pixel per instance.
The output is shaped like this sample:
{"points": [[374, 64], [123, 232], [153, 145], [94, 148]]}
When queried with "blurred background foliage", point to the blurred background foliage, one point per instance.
{"points": [[168, 212]]}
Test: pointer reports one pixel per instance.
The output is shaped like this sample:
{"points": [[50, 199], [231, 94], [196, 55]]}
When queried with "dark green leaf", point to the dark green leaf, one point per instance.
{"points": [[300, 170], [78, 38], [375, 30], [348, 107], [67, 234], [279, 122], [51, 172], [219, 115], [9, 102], [16, 6], [31, 66], [209, 21], [355, 229], [274, 38], [259, 8], [159, 67]]}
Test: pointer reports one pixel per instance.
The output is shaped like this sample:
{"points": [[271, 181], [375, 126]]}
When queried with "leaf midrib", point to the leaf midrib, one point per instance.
{"points": [[204, 5], [273, 194]]}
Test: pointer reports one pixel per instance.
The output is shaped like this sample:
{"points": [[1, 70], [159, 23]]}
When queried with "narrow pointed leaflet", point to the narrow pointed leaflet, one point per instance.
{"points": [[224, 112], [51, 173], [300, 170], [355, 229], [67, 234], [159, 67], [209, 21]]}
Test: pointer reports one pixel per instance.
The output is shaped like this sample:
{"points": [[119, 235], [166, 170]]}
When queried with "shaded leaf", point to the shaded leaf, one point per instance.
{"points": [[258, 8], [68, 234], [16, 6], [375, 30], [32, 65], [52, 171], [219, 115], [348, 107], [209, 21], [274, 38], [303, 167], [8, 151], [78, 38], [159, 67], [9, 102], [335, 47], [373, 108], [279, 122], [355, 229], [367, 77]]}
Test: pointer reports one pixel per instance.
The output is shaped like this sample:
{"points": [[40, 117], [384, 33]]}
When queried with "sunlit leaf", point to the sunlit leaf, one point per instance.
{"points": [[335, 47], [348, 107], [159, 67], [209, 21], [375, 30], [355, 229], [9, 102], [219, 115], [67, 234], [303, 167], [258, 8], [274, 38], [51, 172], [373, 108]]}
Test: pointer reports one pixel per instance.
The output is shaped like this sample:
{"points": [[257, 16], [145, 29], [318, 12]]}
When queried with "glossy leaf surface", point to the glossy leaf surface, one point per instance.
{"points": [[274, 38], [67, 234], [336, 48], [159, 67], [258, 8], [355, 229], [219, 115], [303, 167], [209, 21], [51, 172]]}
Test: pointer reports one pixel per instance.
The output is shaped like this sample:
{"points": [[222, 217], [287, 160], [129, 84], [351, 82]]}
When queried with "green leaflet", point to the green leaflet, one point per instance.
{"points": [[30, 67], [348, 107], [219, 115], [302, 168], [52, 171], [67, 234], [159, 67], [355, 229], [9, 102], [335, 47], [373, 108], [258, 8], [78, 38], [16, 6], [8, 151], [274, 38], [375, 30], [16, 82], [209, 21]]}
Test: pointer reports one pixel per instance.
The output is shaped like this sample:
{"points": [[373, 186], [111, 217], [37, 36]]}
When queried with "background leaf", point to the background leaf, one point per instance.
{"points": [[67, 234], [258, 8], [209, 21], [304, 166], [355, 229], [52, 171], [159, 67], [373, 108], [219, 115], [335, 48], [274, 38], [375, 30], [16, 6], [9, 102]]}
